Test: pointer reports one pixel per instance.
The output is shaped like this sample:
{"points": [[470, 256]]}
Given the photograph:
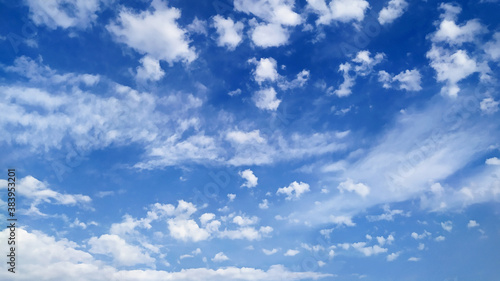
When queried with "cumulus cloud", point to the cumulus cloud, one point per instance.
{"points": [[493, 161], [241, 137], [368, 250], [64, 13], [265, 70], [362, 65], [408, 80], [393, 10], [251, 179], [230, 33], [294, 190], [291, 253], [220, 257], [492, 48], [269, 252], [349, 185], [338, 10], [472, 223], [489, 105], [341, 220], [266, 99], [122, 252], [447, 225], [264, 205], [154, 32], [451, 68], [393, 256], [267, 35], [149, 70]]}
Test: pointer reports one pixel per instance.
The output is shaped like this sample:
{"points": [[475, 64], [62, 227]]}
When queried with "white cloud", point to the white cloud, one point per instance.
{"points": [[414, 259], [421, 246], [197, 26], [50, 259], [298, 82], [440, 238], [272, 11], [345, 88], [150, 69], [241, 137], [267, 35], [393, 256], [122, 252], [339, 10], [492, 161], [264, 205], [409, 80], [155, 33], [266, 99], [393, 10], [417, 236], [368, 250], [245, 221], [248, 233], [220, 257], [269, 252], [451, 68], [339, 220], [291, 253], [363, 66], [447, 225], [452, 33], [492, 48], [251, 179], [231, 197], [472, 223], [206, 217], [229, 32], [349, 185], [388, 215], [64, 13], [187, 230], [489, 105], [382, 240], [294, 190], [265, 70]]}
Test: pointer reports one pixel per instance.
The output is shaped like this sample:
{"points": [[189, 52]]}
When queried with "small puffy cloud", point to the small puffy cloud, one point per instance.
{"points": [[447, 225], [265, 70], [472, 223], [350, 186], [245, 221], [489, 105], [241, 137], [154, 32], [251, 179], [294, 190], [149, 70], [276, 11], [270, 35], [368, 250], [344, 89], [248, 233], [119, 249], [492, 48], [234, 92], [388, 215], [220, 257], [452, 33], [291, 253], [338, 10], [266, 99], [393, 256], [393, 10], [408, 80], [342, 220], [229, 32], [414, 259], [382, 240], [417, 236], [206, 217], [231, 197], [197, 26], [440, 238], [421, 246], [187, 230], [451, 68], [269, 252], [264, 205], [64, 13]]}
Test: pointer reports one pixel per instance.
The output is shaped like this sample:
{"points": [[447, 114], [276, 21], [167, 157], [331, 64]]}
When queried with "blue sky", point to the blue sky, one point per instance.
{"points": [[252, 140]]}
